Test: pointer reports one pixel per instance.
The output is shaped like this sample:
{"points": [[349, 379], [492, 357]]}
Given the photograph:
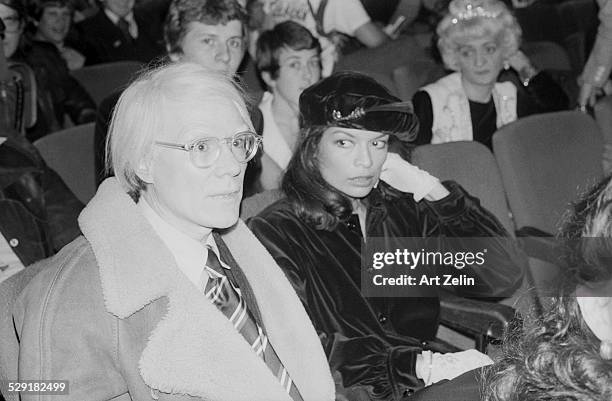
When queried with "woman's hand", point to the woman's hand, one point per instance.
{"points": [[405, 177], [589, 93], [433, 367], [521, 64]]}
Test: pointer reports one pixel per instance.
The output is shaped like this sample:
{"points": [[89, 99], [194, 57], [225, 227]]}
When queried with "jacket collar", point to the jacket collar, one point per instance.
{"points": [[194, 349]]}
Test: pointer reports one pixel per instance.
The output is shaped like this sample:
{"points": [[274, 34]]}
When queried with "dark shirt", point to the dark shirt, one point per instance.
{"points": [[542, 95], [101, 41], [373, 342]]}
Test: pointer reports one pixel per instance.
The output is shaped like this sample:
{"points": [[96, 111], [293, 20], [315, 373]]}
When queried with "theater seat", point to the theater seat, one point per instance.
{"points": [[101, 80], [70, 152], [472, 165], [546, 162]]}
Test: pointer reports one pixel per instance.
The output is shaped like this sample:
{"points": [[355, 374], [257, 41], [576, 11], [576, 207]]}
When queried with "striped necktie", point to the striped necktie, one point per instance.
{"points": [[226, 296]]}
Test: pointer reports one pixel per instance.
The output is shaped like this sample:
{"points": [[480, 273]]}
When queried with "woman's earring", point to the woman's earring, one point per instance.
{"points": [[506, 65]]}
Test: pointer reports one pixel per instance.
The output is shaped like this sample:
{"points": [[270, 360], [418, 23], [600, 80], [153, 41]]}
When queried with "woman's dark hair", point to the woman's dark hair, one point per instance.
{"points": [[557, 356], [312, 198]]}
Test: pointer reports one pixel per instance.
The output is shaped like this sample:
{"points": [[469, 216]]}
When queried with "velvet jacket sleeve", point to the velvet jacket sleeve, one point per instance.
{"points": [[366, 363], [460, 220]]}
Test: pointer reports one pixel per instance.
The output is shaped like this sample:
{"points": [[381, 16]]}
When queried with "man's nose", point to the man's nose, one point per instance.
{"points": [[363, 157], [226, 163], [222, 52]]}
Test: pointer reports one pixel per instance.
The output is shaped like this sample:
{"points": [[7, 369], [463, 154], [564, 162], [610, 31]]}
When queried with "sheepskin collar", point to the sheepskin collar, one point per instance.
{"points": [[194, 349]]}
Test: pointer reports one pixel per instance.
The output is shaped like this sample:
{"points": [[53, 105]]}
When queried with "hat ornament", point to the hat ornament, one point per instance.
{"points": [[358, 112], [473, 12]]}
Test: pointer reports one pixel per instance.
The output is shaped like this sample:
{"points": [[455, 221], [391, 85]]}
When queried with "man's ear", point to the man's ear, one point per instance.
{"points": [[144, 171], [267, 78]]}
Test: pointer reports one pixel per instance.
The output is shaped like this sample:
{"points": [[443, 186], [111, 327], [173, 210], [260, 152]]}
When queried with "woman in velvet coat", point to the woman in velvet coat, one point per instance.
{"points": [[335, 201]]}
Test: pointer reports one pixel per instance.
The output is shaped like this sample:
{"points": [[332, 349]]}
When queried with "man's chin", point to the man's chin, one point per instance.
{"points": [[223, 224]]}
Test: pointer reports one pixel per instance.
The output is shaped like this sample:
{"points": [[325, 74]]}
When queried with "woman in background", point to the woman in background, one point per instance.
{"points": [[289, 61], [477, 39]]}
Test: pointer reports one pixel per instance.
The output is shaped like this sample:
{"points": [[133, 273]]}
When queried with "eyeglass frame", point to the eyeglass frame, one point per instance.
{"points": [[189, 146]]}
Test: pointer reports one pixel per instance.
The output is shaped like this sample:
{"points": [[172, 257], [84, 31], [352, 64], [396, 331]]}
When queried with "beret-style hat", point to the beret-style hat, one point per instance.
{"points": [[354, 100]]}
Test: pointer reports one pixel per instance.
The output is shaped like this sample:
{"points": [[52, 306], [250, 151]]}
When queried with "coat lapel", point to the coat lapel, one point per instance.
{"points": [[194, 349]]}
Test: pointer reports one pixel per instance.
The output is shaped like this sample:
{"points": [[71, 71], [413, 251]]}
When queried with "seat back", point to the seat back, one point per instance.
{"points": [[472, 165], [70, 152], [252, 205], [546, 162], [410, 78], [547, 55], [101, 80]]}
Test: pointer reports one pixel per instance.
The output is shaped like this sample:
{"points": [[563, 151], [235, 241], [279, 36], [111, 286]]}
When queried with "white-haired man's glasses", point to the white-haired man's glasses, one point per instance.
{"points": [[204, 152]]}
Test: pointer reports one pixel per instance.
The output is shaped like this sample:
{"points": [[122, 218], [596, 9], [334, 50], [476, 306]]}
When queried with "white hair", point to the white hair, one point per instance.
{"points": [[143, 113], [476, 18]]}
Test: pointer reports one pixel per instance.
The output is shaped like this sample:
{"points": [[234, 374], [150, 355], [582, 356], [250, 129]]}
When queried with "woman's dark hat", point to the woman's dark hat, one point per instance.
{"points": [[353, 100]]}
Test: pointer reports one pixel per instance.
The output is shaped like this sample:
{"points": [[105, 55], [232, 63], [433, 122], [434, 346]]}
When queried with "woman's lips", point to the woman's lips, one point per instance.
{"points": [[362, 181]]}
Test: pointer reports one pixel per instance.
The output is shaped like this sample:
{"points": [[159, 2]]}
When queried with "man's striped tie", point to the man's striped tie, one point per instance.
{"points": [[225, 294]]}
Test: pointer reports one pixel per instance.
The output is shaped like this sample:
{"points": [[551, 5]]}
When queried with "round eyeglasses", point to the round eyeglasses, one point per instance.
{"points": [[204, 152]]}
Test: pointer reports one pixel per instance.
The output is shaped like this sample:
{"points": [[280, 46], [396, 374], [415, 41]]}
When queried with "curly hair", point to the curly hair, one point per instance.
{"points": [[476, 18], [557, 356]]}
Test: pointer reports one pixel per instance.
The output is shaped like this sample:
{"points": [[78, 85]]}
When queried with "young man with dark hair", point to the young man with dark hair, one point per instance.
{"points": [[289, 61]]}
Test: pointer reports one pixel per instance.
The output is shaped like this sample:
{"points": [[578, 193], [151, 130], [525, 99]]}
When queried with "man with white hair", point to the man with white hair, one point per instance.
{"points": [[167, 294]]}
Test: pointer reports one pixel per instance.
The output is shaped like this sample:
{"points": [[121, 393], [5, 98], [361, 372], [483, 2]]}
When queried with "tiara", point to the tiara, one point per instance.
{"points": [[355, 114], [473, 12]]}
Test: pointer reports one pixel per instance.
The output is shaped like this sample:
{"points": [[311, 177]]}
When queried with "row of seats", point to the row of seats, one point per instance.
{"points": [[545, 161], [541, 164]]}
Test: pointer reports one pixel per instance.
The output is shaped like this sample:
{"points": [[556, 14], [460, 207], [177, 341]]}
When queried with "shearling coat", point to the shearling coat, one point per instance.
{"points": [[113, 315]]}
